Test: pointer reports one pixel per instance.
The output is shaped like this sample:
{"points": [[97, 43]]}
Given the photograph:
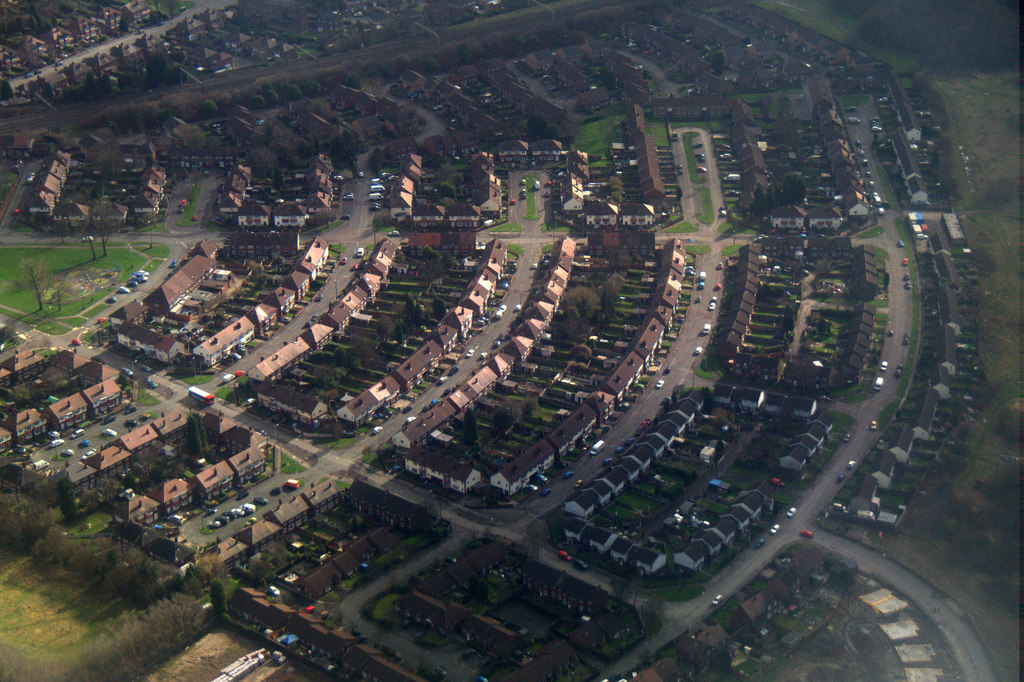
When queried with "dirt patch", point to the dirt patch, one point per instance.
{"points": [[204, 660]]}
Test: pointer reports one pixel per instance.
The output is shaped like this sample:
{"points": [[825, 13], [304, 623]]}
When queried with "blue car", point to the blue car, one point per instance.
{"points": [[567, 475], [84, 444], [545, 492]]}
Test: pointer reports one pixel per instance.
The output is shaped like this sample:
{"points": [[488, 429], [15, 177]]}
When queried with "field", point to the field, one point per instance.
{"points": [[88, 279], [44, 616], [595, 137]]}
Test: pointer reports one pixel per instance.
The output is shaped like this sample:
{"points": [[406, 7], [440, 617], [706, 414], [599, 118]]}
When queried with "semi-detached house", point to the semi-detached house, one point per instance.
{"points": [[226, 341]]}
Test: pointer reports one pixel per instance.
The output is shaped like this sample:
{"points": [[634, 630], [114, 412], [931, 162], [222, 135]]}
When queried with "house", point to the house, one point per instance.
{"points": [[131, 312], [301, 407], [552, 661], [289, 514], [213, 481], [583, 504], [453, 474], [171, 496], [66, 412], [151, 343], [596, 539], [289, 214], [247, 465], [692, 558], [255, 214], [228, 340], [139, 509], [754, 611], [24, 365], [646, 560], [258, 535], [885, 471], [551, 583], [102, 397], [385, 506], [25, 426]]}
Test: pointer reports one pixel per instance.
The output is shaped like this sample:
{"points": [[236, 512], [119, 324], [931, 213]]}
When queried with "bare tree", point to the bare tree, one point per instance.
{"points": [[34, 276], [60, 290], [105, 218]]}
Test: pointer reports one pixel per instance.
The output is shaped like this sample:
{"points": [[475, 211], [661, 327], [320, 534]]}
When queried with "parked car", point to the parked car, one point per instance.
{"points": [[791, 513], [807, 533], [564, 556]]}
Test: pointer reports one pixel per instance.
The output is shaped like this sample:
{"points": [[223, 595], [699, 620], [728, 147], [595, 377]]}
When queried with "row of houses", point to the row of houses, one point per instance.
{"points": [[50, 180], [652, 186], [743, 283], [453, 618], [285, 517], [429, 424], [842, 160], [575, 190], [636, 358], [244, 460], [799, 219], [805, 446], [731, 525], [275, 305], [607, 215], [521, 154], [453, 327], [286, 624], [633, 463]]}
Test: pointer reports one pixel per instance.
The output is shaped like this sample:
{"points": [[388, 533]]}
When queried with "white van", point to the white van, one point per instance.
{"points": [[879, 381], [375, 196], [597, 447], [360, 252]]}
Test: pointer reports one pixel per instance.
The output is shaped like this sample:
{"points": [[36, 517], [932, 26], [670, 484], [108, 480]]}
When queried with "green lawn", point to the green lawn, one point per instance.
{"points": [[681, 227], [531, 198], [707, 215], [147, 398], [516, 249], [195, 380], [595, 138], [190, 206], [155, 251], [75, 263], [871, 232], [290, 466], [685, 593], [691, 159], [730, 250], [698, 249], [46, 616], [507, 228]]}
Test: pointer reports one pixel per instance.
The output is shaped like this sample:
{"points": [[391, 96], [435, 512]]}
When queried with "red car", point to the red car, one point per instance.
{"points": [[717, 287], [807, 533], [309, 609], [344, 259], [779, 482], [100, 320], [76, 342], [511, 202], [906, 261], [239, 373], [564, 556]]}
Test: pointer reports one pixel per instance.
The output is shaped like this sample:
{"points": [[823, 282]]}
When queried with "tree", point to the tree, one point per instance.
{"points": [[385, 327], [446, 189], [6, 91], [208, 108], [438, 307], [35, 274], [352, 80], [105, 218], [470, 432], [66, 500], [195, 435], [60, 290], [717, 59], [310, 87], [218, 598]]}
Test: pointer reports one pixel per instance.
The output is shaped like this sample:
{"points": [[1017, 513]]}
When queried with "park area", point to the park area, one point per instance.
{"points": [[45, 617], [71, 283]]}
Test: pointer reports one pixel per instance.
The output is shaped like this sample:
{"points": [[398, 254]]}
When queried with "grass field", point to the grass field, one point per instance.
{"points": [[290, 466], [531, 198], [76, 261], [595, 138], [45, 617]]}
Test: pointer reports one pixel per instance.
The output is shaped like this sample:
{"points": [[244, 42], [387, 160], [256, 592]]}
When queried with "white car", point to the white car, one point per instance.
{"points": [[377, 429], [54, 434], [77, 432], [712, 305], [717, 600], [698, 350], [227, 378], [56, 443], [519, 306], [791, 513], [883, 367], [470, 352], [660, 383], [110, 433], [774, 529]]}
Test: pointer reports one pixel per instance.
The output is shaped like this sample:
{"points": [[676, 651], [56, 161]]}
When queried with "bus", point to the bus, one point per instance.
{"points": [[201, 395]]}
